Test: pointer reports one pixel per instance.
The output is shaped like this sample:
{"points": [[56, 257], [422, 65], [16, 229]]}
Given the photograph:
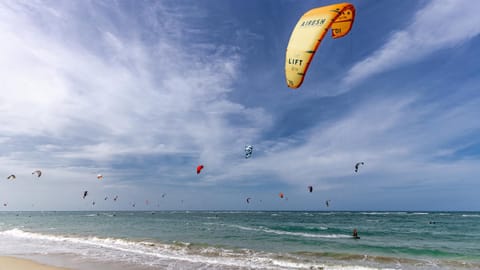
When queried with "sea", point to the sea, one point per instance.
{"points": [[244, 239]]}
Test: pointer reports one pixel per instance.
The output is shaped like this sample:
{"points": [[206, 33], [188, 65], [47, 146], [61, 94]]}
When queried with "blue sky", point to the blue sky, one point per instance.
{"points": [[143, 92]]}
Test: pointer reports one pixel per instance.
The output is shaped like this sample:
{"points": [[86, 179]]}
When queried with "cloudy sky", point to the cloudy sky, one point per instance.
{"points": [[143, 92]]}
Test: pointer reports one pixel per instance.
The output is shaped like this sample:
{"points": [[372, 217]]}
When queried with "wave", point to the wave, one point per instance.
{"points": [[152, 253], [376, 213], [280, 232], [308, 235], [299, 228], [317, 228], [100, 214], [393, 213], [185, 255], [470, 215]]}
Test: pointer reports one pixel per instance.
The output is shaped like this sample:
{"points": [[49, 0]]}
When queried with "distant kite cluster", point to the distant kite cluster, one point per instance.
{"points": [[248, 154]]}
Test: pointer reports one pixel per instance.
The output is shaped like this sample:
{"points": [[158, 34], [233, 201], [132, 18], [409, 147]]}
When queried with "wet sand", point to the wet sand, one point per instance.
{"points": [[11, 263]]}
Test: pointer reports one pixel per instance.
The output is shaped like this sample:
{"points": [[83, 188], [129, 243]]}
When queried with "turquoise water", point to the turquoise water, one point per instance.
{"points": [[249, 240]]}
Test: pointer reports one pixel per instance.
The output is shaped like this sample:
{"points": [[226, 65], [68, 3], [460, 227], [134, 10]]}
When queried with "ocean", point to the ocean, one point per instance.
{"points": [[244, 240]]}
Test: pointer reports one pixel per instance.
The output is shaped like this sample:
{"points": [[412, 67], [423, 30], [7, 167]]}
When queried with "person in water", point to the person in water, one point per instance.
{"points": [[355, 233]]}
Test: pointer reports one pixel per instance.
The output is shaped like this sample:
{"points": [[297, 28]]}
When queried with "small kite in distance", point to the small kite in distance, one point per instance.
{"points": [[38, 173], [358, 165], [248, 151], [199, 168]]}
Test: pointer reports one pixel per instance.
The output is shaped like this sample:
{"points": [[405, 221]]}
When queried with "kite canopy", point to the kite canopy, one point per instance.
{"points": [[358, 165], [99, 177], [310, 188], [281, 195], [309, 32], [248, 151], [199, 168], [12, 177], [38, 173]]}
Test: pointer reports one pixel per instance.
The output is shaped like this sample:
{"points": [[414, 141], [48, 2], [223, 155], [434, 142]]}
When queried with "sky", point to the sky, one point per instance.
{"points": [[143, 92]]}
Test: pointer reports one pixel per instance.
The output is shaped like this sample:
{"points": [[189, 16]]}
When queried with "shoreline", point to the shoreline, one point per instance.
{"points": [[16, 263]]}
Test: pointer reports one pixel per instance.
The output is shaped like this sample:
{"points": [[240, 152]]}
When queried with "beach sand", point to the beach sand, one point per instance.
{"points": [[11, 263]]}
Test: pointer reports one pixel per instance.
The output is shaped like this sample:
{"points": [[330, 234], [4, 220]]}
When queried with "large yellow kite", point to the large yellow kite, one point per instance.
{"points": [[309, 32]]}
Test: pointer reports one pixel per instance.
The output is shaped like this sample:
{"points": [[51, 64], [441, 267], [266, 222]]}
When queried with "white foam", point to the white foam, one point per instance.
{"points": [[149, 253], [307, 235], [384, 213], [160, 255], [373, 213], [343, 267], [317, 228]]}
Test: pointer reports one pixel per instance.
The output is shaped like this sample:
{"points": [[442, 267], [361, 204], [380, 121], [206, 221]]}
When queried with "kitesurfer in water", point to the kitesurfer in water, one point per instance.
{"points": [[355, 234]]}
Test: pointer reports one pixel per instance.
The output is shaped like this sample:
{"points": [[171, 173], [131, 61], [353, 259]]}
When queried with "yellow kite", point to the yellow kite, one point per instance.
{"points": [[309, 32]]}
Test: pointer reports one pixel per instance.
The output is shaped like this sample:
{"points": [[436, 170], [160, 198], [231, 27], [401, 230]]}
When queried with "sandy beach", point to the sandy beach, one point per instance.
{"points": [[11, 263]]}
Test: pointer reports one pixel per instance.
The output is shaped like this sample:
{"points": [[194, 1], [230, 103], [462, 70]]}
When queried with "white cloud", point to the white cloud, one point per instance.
{"points": [[438, 25], [398, 138], [77, 90]]}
